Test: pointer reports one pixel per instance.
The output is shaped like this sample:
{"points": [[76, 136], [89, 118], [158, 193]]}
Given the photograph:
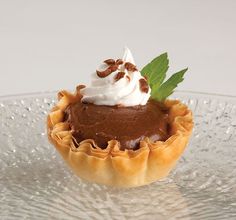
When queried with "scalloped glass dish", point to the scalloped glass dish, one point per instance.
{"points": [[35, 183]]}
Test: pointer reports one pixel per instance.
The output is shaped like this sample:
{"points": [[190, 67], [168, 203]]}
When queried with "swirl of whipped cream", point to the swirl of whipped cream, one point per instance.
{"points": [[123, 85]]}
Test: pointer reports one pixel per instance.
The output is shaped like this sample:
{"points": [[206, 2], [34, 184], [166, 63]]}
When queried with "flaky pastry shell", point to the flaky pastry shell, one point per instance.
{"points": [[111, 166]]}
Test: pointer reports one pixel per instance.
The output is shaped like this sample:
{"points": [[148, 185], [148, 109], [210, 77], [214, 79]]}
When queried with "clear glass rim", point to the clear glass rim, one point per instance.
{"points": [[177, 92]]}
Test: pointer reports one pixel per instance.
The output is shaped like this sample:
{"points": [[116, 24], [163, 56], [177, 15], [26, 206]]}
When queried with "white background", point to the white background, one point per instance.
{"points": [[55, 44]]}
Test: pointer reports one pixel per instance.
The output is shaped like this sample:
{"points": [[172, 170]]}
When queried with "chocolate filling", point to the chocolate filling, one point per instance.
{"points": [[128, 125]]}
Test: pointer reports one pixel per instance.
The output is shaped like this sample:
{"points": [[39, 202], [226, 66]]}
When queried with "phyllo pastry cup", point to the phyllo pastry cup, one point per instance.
{"points": [[112, 166]]}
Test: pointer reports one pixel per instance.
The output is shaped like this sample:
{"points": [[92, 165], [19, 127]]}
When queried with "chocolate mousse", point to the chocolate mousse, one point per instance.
{"points": [[128, 125]]}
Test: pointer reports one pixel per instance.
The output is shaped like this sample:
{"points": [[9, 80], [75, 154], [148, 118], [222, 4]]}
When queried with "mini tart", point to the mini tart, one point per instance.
{"points": [[112, 166]]}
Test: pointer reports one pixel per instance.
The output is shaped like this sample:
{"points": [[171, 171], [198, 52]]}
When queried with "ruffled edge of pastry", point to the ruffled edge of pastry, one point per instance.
{"points": [[112, 166]]}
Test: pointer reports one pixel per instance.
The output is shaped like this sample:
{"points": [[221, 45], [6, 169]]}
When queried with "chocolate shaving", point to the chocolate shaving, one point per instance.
{"points": [[130, 67], [113, 68], [119, 62], [128, 78], [143, 85], [108, 71], [109, 61], [105, 73], [119, 76]]}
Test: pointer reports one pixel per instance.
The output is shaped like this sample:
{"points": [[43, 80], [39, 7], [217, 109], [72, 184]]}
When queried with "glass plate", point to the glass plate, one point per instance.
{"points": [[35, 183]]}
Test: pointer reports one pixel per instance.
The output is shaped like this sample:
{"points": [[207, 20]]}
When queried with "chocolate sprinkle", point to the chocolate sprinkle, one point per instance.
{"points": [[109, 61], [128, 77], [119, 76], [119, 62], [143, 85], [130, 67], [113, 68], [105, 73]]}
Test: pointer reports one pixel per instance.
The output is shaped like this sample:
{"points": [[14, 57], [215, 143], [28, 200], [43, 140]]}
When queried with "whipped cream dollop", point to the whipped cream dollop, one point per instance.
{"points": [[117, 82]]}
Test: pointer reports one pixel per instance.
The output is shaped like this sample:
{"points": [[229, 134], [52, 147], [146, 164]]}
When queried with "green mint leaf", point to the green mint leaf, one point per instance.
{"points": [[167, 88], [155, 71]]}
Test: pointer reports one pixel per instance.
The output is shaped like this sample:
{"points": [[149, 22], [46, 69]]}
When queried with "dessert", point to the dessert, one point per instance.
{"points": [[121, 130]]}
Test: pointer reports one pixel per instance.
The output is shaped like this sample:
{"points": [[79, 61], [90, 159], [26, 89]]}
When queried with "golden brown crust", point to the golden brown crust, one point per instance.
{"points": [[111, 166]]}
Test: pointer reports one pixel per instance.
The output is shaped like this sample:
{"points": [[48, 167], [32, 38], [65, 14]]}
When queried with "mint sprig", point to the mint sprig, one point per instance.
{"points": [[155, 72]]}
